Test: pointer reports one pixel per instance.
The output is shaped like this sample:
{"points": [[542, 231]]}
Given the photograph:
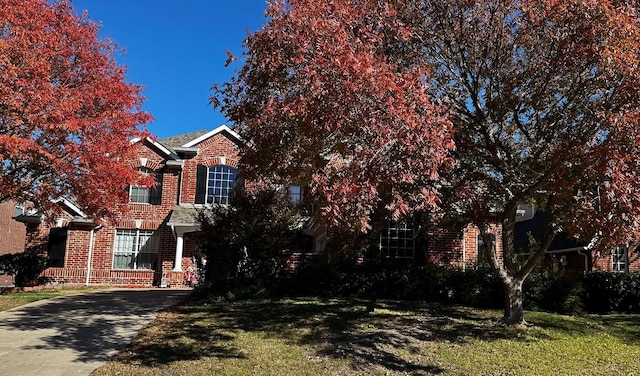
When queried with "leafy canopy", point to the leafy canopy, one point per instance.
{"points": [[333, 94], [546, 108], [470, 107], [66, 113]]}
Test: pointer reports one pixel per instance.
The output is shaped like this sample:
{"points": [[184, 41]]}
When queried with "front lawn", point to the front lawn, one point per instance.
{"points": [[339, 337], [17, 299]]}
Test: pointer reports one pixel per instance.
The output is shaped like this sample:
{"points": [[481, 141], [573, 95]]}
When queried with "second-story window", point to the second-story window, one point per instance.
{"points": [[295, 194], [147, 195], [215, 184]]}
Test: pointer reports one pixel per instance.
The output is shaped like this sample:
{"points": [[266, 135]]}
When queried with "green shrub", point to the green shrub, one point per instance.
{"points": [[611, 292], [389, 279], [552, 291], [24, 266]]}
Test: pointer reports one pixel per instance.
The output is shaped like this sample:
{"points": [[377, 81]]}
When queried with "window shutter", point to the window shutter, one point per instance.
{"points": [[155, 193], [201, 184]]}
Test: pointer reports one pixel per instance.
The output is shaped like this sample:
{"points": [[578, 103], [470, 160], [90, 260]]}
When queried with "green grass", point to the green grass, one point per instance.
{"points": [[17, 299], [338, 337]]}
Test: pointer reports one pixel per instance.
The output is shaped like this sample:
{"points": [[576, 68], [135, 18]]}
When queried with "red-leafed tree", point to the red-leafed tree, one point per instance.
{"points": [[66, 113], [546, 103], [330, 95], [542, 97]]}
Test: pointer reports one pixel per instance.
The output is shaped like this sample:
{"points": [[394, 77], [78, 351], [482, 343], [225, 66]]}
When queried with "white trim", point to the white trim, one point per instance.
{"points": [[136, 248], [161, 147], [620, 266], [564, 250], [222, 128], [71, 206]]}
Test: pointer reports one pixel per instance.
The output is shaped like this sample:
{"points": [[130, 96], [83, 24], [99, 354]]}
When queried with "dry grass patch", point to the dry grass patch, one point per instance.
{"points": [[17, 299], [339, 337]]}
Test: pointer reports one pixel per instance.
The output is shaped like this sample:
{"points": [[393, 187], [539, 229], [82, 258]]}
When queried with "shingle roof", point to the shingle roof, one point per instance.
{"points": [[177, 141], [183, 215]]}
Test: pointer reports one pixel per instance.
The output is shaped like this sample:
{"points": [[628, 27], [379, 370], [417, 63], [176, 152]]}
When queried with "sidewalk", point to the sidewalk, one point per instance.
{"points": [[73, 335]]}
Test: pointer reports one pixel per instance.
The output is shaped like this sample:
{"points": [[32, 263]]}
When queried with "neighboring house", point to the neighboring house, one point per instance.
{"points": [[13, 233], [573, 257], [153, 242]]}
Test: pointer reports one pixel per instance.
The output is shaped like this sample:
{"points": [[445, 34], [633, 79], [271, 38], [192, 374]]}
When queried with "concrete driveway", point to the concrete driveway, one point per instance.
{"points": [[73, 335]]}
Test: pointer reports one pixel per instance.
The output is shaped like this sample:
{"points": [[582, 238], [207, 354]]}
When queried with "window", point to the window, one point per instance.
{"points": [[396, 241], [19, 210], [215, 184], [619, 259], [144, 195], [56, 247], [135, 249], [295, 194], [482, 254]]}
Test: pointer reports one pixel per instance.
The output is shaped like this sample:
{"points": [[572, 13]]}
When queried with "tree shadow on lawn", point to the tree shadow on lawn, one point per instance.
{"points": [[390, 337], [625, 327], [179, 334], [344, 329]]}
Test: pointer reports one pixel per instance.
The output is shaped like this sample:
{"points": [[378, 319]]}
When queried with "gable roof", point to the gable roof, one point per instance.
{"points": [[179, 140], [158, 146], [221, 129]]}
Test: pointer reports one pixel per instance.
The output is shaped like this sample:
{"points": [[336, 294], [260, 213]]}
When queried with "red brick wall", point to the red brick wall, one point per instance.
{"points": [[13, 235], [457, 245], [602, 260], [139, 216], [634, 260], [209, 155]]}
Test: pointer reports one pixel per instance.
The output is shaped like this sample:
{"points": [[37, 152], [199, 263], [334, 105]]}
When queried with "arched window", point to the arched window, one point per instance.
{"points": [[215, 184]]}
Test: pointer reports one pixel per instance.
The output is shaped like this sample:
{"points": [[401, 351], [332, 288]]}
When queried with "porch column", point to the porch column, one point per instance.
{"points": [[177, 263]]}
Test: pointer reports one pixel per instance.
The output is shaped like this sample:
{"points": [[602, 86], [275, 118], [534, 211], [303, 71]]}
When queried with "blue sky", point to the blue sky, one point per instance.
{"points": [[176, 50]]}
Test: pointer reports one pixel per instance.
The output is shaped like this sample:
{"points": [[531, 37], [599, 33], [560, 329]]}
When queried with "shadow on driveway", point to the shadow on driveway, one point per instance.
{"points": [[84, 330]]}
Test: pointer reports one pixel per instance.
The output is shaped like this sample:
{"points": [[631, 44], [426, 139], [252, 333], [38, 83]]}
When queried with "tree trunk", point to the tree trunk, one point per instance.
{"points": [[513, 302]]}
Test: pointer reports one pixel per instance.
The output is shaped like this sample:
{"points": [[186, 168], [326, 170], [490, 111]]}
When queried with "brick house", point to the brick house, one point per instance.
{"points": [[13, 233], [153, 242], [573, 257]]}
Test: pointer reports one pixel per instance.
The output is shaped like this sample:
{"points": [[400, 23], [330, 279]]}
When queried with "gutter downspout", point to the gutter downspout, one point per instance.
{"points": [[588, 247], [91, 242], [464, 249]]}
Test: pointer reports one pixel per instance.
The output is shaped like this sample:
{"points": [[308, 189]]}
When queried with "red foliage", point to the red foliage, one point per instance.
{"points": [[358, 97], [66, 113], [329, 95]]}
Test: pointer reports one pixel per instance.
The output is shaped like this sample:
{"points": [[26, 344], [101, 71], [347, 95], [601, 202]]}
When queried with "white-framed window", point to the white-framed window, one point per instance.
{"points": [[135, 249], [397, 241], [220, 183], [215, 184], [146, 195], [619, 259]]}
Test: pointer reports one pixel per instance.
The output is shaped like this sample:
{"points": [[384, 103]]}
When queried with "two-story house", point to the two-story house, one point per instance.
{"points": [[153, 242]]}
